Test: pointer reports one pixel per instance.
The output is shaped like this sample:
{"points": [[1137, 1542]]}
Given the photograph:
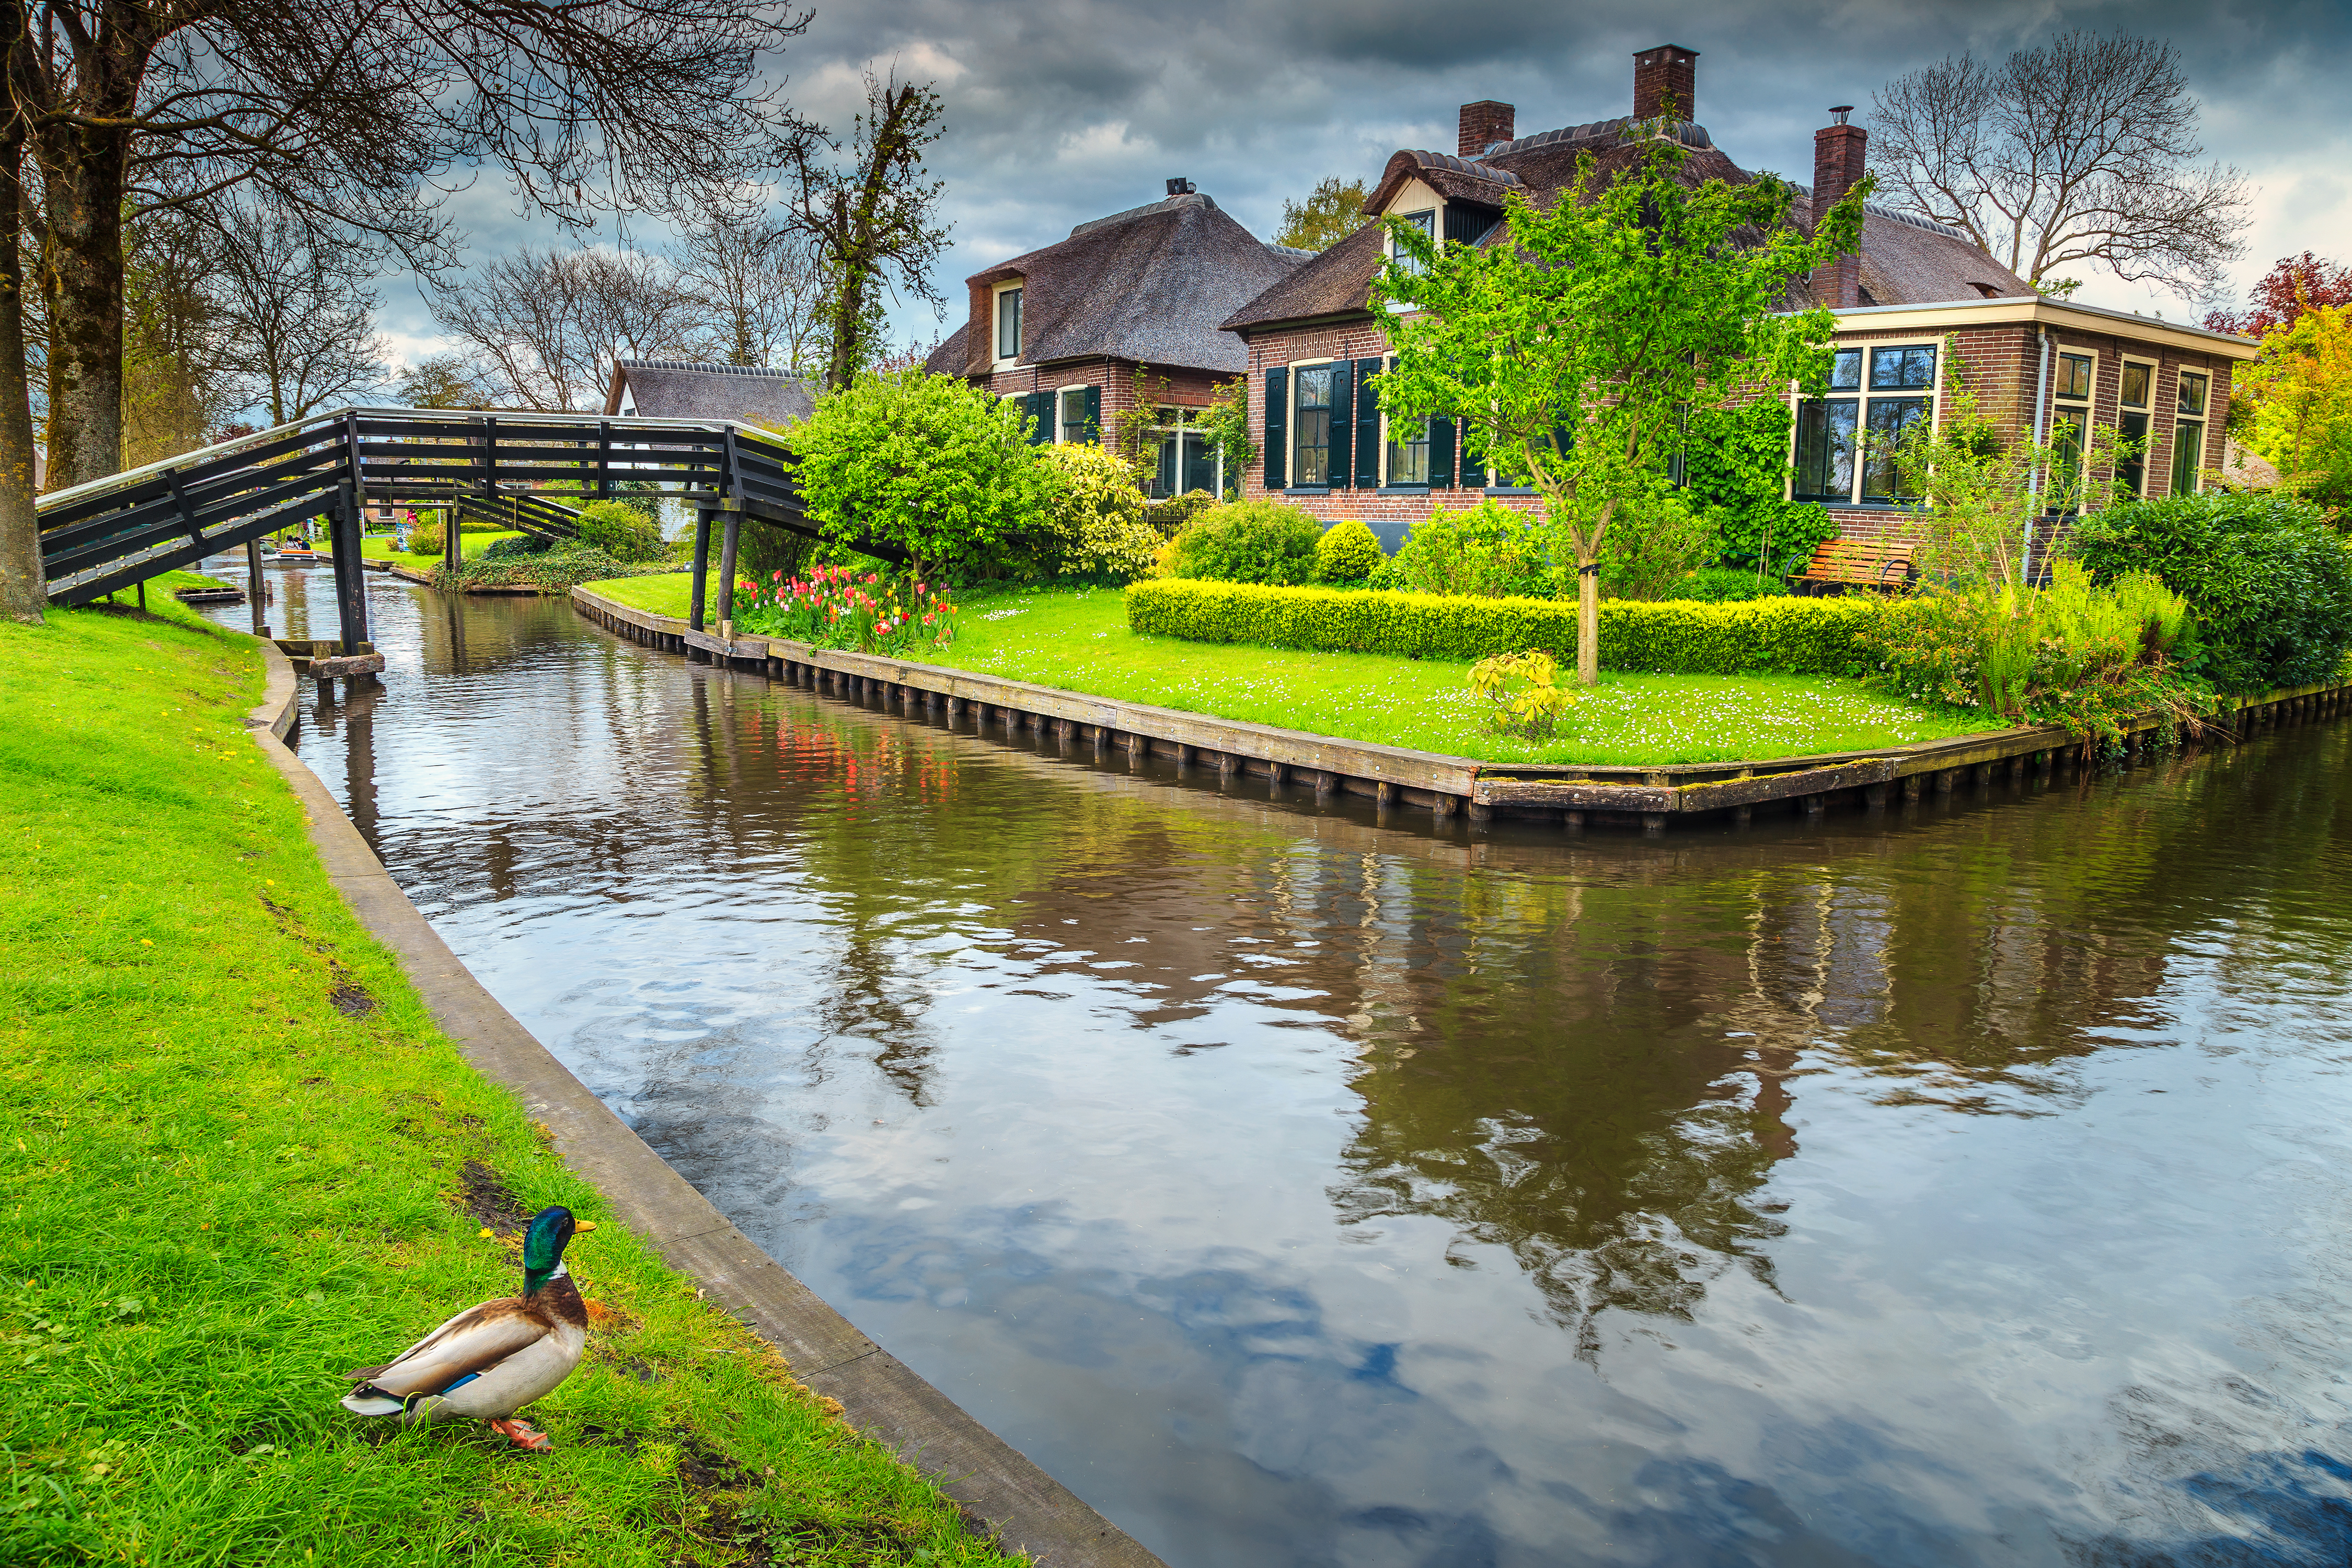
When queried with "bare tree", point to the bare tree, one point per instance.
{"points": [[297, 318], [871, 225], [2083, 149], [755, 286], [546, 325], [351, 110], [178, 381]]}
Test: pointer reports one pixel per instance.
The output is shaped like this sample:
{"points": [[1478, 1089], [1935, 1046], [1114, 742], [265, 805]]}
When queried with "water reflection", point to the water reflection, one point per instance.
{"points": [[1965, 1190]]}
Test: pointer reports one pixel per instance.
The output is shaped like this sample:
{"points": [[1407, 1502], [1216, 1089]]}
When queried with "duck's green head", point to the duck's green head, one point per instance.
{"points": [[542, 1246]]}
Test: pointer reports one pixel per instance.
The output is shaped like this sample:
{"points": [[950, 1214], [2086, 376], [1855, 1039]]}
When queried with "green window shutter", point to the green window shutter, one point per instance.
{"points": [[1039, 405], [1343, 404], [1094, 415], [1368, 426], [1440, 454], [1473, 474], [1277, 426]]}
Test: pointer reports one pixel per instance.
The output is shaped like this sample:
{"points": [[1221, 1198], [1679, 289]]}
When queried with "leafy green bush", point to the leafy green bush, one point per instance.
{"points": [[427, 538], [1724, 585], [1246, 542], [516, 544], [1734, 469], [1096, 524], [1804, 637], [1348, 552], [621, 531], [1657, 541], [928, 463], [1491, 549], [2269, 583], [555, 570]]}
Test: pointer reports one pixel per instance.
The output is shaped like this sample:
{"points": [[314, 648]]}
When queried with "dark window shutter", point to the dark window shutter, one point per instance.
{"points": [[1368, 426], [1094, 415], [1277, 426], [1473, 473], [1343, 403], [1440, 454], [1040, 408]]}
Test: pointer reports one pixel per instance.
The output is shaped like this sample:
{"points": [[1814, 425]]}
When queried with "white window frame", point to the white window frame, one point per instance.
{"points": [[1184, 425], [2155, 379], [1003, 361], [1059, 393], [1863, 397], [2202, 420], [1290, 432], [1388, 363], [2087, 404]]}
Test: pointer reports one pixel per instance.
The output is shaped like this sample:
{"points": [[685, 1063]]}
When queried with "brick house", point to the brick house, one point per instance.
{"points": [[1066, 329], [1313, 344]]}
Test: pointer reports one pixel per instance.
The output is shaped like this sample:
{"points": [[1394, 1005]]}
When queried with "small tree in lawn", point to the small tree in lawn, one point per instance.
{"points": [[1571, 347], [928, 463]]}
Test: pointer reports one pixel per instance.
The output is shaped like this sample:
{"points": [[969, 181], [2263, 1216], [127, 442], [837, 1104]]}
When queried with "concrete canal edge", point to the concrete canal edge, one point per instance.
{"points": [[1572, 796], [1024, 1505]]}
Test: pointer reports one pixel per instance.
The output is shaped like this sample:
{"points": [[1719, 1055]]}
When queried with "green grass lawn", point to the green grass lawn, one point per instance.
{"points": [[1078, 640], [381, 546], [237, 1149]]}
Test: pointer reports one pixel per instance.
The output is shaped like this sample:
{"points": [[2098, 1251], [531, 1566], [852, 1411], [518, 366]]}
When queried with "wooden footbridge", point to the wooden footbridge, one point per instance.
{"points": [[520, 470]]}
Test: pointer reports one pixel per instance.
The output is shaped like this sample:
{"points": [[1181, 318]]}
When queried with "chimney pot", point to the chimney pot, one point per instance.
{"points": [[1181, 186], [1665, 75], [1484, 123]]}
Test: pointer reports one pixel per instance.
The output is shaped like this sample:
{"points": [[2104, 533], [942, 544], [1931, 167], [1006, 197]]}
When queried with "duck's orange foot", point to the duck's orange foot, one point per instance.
{"points": [[525, 1436]]}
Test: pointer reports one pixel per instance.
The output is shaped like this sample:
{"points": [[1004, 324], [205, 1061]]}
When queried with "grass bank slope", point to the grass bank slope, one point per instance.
{"points": [[1077, 639], [241, 1158], [379, 547]]}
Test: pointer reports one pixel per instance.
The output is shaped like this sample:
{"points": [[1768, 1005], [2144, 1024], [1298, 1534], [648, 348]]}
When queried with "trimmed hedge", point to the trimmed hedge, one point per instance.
{"points": [[1798, 636]]}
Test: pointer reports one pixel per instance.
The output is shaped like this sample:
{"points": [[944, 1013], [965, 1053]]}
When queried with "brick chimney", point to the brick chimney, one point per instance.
{"points": [[1840, 153], [1484, 123], [1668, 71]]}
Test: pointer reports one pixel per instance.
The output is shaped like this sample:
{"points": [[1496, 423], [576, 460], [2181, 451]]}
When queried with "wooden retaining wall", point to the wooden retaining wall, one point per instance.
{"points": [[1572, 796]]}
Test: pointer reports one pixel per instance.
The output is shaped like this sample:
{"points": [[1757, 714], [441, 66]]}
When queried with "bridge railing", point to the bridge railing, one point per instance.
{"points": [[120, 530]]}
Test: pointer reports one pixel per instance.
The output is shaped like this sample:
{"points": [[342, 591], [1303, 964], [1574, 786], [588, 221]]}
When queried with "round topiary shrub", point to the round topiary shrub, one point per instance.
{"points": [[1246, 542], [1348, 552], [621, 530]]}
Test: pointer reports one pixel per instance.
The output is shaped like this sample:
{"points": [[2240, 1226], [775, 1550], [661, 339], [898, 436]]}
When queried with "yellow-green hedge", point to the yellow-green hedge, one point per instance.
{"points": [[1801, 636]]}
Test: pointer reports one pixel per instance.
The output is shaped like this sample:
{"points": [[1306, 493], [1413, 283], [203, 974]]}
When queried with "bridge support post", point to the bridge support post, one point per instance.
{"points": [[702, 568], [343, 528], [254, 584], [727, 542]]}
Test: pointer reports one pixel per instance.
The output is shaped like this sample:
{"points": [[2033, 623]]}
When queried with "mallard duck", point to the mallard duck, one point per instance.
{"points": [[490, 1361]]}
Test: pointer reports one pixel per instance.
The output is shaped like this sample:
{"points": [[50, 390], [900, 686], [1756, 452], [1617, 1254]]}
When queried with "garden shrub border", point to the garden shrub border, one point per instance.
{"points": [[1790, 635]]}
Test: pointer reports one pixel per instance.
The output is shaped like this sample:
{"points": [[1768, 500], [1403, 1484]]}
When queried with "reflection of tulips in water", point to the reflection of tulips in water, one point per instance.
{"points": [[835, 608]]}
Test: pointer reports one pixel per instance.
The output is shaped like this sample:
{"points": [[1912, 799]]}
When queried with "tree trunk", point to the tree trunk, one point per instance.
{"points": [[82, 172], [1587, 621], [24, 595], [849, 319]]}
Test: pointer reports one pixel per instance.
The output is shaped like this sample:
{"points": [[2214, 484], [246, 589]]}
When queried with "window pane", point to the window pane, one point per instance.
{"points": [[1890, 417], [2069, 434], [1845, 371], [2074, 376], [1427, 223], [1008, 324], [1164, 477], [1408, 453], [1199, 470], [1901, 370], [1073, 414], [2135, 385], [2192, 392], [2188, 456], [1311, 432], [1826, 450], [2132, 473]]}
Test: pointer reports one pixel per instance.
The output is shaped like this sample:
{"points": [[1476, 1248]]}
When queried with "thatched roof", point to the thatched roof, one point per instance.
{"points": [[674, 389], [1150, 284]]}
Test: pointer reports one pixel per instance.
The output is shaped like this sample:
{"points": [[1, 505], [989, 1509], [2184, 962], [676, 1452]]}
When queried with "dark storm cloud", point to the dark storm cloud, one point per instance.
{"points": [[1061, 110]]}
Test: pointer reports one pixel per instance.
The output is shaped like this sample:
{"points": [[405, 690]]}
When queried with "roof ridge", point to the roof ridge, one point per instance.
{"points": [[1166, 203], [1876, 210], [1689, 133], [1476, 170], [706, 369]]}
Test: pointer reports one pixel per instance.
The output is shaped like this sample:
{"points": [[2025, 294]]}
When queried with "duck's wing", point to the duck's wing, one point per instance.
{"points": [[465, 1346]]}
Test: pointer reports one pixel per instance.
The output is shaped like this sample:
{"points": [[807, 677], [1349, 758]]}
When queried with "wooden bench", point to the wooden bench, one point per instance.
{"points": [[1872, 564]]}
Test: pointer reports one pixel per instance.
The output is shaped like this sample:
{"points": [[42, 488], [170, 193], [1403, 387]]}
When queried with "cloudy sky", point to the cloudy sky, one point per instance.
{"points": [[1062, 110]]}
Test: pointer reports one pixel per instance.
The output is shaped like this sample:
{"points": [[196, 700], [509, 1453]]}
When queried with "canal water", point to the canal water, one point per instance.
{"points": [[1967, 1186]]}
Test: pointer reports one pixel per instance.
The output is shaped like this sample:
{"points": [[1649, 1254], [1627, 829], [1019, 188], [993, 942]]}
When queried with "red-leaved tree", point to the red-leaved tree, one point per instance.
{"points": [[2288, 289]]}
